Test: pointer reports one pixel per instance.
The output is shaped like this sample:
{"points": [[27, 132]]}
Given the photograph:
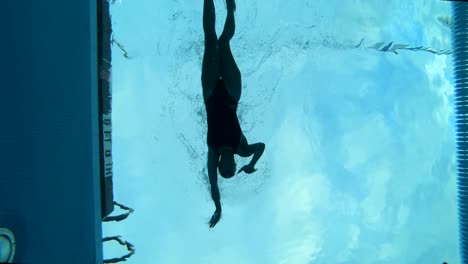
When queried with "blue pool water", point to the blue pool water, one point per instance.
{"points": [[359, 165]]}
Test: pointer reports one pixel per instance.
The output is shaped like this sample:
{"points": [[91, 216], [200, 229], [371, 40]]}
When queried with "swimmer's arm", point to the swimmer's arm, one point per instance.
{"points": [[213, 160], [245, 150], [258, 150]]}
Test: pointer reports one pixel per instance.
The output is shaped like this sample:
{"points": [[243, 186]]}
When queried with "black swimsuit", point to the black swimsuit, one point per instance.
{"points": [[223, 126]]}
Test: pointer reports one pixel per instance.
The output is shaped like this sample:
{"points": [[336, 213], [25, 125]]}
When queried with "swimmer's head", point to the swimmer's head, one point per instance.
{"points": [[227, 165]]}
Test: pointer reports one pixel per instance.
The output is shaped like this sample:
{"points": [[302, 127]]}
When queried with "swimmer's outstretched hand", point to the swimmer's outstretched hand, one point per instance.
{"points": [[247, 169], [215, 218]]}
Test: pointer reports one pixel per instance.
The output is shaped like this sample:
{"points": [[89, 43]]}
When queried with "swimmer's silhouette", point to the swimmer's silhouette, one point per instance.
{"points": [[221, 82]]}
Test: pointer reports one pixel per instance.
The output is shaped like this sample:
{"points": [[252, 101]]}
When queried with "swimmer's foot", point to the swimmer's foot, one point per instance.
{"points": [[231, 5]]}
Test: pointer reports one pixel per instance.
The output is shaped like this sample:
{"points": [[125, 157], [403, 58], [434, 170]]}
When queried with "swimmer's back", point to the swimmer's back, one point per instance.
{"points": [[223, 125]]}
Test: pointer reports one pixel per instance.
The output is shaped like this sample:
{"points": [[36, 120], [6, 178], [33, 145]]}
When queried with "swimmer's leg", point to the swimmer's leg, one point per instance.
{"points": [[228, 67], [231, 5], [210, 65]]}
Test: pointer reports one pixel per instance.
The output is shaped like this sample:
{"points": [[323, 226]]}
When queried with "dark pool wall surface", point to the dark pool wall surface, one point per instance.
{"points": [[49, 154]]}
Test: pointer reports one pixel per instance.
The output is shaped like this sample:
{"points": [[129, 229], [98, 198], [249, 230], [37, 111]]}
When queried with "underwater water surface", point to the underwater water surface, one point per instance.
{"points": [[353, 100]]}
